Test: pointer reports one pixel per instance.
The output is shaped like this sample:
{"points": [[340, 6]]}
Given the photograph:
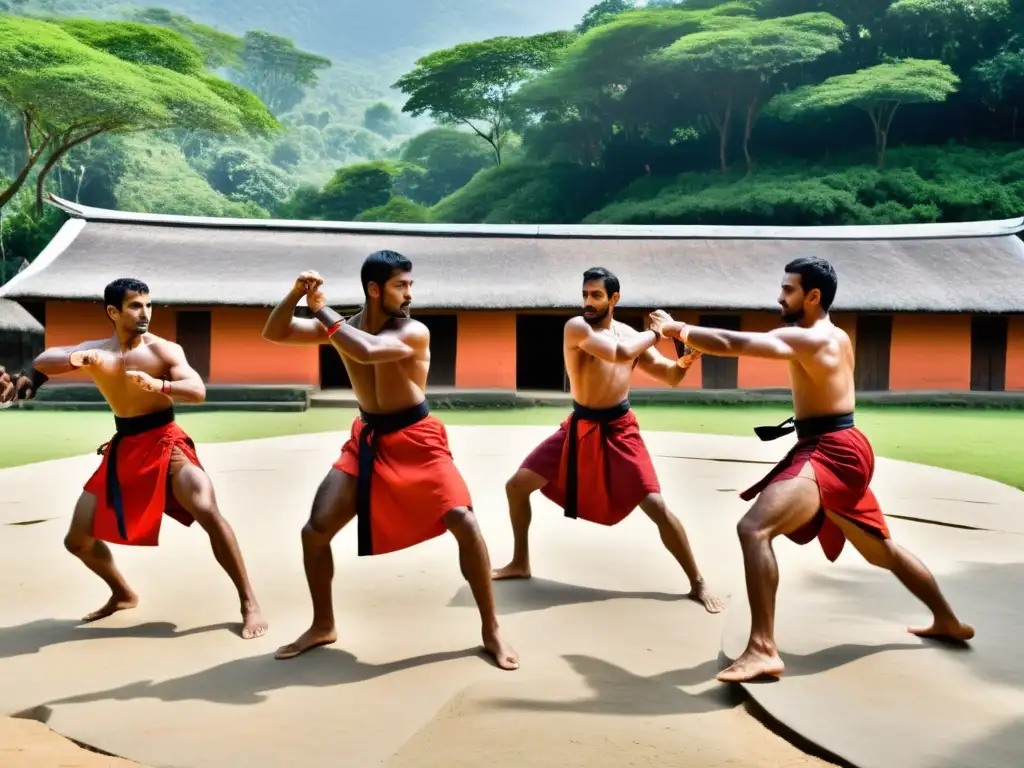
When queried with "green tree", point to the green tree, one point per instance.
{"points": [[1001, 79], [736, 68], [945, 27], [382, 119], [473, 84], [68, 92], [449, 158], [879, 91], [218, 48], [602, 13], [276, 71]]}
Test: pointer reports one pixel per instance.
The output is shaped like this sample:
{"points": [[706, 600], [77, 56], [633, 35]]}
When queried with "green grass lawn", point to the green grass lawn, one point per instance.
{"points": [[983, 442]]}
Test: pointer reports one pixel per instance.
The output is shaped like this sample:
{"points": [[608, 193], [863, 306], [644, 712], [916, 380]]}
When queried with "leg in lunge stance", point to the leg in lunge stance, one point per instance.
{"points": [[913, 574], [96, 556], [518, 490], [475, 563], [334, 506], [194, 491], [781, 509], [673, 536]]}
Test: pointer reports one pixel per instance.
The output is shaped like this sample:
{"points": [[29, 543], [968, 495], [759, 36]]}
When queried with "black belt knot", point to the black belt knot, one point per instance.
{"points": [[375, 425], [809, 427], [604, 417]]}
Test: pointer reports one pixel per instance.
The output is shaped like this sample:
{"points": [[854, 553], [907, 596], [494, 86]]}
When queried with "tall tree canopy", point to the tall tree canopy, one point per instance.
{"points": [[72, 81], [878, 90], [473, 84]]}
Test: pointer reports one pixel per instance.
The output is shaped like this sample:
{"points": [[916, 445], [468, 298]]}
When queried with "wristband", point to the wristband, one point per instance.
{"points": [[334, 328], [165, 387]]}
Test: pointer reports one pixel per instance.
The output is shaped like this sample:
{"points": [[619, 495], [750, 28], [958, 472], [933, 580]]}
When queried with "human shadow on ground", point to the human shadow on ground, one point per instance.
{"points": [[248, 680], [617, 691], [30, 638], [523, 595], [984, 595]]}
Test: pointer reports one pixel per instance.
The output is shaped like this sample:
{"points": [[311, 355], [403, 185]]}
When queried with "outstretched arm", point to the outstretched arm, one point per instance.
{"points": [[579, 335], [660, 367], [283, 328], [57, 360], [182, 384], [778, 344], [367, 348]]}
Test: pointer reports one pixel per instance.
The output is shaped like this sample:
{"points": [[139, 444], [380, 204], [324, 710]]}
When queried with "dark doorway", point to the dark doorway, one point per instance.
{"points": [[719, 372], [193, 334], [874, 342], [333, 374], [540, 364], [988, 352], [444, 341]]}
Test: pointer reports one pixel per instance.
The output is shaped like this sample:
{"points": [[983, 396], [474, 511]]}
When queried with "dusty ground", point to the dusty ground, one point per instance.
{"points": [[617, 668]]}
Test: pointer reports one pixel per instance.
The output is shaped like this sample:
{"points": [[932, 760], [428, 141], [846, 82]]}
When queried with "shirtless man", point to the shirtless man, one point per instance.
{"points": [[609, 470], [395, 473], [821, 487], [150, 467]]}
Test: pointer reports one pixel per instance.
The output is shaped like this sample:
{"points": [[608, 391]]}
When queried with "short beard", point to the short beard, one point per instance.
{"points": [[595, 319], [792, 318], [400, 313]]}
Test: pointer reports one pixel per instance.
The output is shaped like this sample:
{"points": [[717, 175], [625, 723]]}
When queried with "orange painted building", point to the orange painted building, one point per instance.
{"points": [[929, 307]]}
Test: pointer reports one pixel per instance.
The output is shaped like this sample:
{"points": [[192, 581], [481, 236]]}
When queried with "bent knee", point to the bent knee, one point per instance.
{"points": [[523, 483], [461, 520], [77, 543], [752, 528]]}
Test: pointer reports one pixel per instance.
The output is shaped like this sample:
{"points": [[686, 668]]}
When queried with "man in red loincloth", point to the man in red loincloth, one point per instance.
{"points": [[821, 488], [150, 467], [395, 474], [596, 465]]}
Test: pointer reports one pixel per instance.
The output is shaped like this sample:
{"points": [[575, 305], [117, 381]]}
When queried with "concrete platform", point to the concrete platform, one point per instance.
{"points": [[617, 668]]}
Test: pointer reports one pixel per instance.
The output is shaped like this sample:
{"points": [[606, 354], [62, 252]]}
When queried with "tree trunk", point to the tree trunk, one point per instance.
{"points": [[52, 161], [19, 181], [752, 112], [722, 124]]}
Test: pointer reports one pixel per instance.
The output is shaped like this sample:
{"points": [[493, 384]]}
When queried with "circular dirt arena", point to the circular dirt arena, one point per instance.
{"points": [[617, 667]]}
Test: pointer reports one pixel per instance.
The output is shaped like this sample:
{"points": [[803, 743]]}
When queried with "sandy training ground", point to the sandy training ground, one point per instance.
{"points": [[617, 668]]}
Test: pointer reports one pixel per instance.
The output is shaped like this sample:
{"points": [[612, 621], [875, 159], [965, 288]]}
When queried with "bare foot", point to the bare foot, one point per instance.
{"points": [[699, 593], [253, 623], [945, 630], [311, 638], [512, 571], [503, 653], [113, 605], [751, 665]]}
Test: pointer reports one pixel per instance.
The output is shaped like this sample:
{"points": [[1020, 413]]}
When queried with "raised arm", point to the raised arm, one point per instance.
{"points": [[283, 327], [780, 344], [182, 384], [671, 372], [366, 348], [579, 335]]}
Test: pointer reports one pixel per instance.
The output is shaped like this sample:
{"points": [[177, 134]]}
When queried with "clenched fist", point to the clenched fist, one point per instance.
{"points": [[308, 281], [144, 381], [316, 300], [85, 359]]}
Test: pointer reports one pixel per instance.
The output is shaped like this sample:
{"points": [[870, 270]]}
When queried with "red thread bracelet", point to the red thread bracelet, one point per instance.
{"points": [[165, 387], [334, 328]]}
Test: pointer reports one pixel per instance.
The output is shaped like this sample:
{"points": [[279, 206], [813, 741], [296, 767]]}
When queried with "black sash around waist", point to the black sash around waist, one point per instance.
{"points": [[810, 427], [376, 425], [128, 427], [604, 416]]}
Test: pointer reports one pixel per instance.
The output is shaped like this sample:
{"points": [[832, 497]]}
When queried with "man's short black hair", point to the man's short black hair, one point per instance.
{"points": [[611, 282], [379, 266], [114, 293], [815, 272]]}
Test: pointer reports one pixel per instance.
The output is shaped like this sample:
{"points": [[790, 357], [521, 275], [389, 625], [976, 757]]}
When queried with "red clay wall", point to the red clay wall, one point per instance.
{"points": [[928, 352]]}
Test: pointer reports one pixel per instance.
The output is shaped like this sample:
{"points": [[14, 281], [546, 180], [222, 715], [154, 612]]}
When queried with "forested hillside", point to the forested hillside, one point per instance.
{"points": [[789, 112]]}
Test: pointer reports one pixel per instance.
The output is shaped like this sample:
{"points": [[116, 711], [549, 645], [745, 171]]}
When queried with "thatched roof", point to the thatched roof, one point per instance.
{"points": [[969, 267], [14, 317]]}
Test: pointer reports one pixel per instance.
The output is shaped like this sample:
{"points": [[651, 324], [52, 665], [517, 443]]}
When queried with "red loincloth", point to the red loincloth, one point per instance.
{"points": [[140, 486], [614, 472], [844, 464], [412, 480]]}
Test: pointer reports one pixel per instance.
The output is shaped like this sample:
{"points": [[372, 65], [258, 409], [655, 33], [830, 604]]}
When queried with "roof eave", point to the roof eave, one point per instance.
{"points": [[998, 228]]}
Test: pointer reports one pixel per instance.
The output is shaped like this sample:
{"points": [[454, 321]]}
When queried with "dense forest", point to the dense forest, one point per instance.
{"points": [[788, 112]]}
